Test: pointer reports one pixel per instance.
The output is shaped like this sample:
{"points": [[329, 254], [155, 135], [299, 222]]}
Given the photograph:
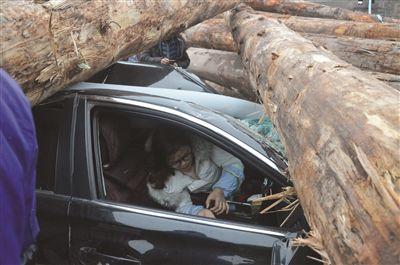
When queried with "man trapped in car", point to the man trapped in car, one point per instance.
{"points": [[171, 51], [192, 165]]}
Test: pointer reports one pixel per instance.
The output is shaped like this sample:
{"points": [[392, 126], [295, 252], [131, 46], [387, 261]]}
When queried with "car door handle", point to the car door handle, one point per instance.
{"points": [[88, 255]]}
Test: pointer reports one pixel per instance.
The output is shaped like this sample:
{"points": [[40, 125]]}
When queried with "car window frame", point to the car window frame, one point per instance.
{"points": [[62, 184], [200, 130], [99, 193], [55, 166]]}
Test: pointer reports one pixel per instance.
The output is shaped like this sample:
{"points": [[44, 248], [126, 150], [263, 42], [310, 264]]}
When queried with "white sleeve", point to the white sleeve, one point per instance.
{"points": [[222, 158]]}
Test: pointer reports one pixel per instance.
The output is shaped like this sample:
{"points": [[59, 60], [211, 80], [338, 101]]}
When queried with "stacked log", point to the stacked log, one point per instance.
{"points": [[391, 80], [223, 68], [206, 70], [389, 31], [373, 55], [309, 9], [368, 54], [340, 128], [47, 46], [210, 34], [223, 90]]}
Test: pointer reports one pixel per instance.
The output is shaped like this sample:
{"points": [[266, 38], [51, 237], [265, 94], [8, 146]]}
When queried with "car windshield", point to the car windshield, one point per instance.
{"points": [[260, 127], [263, 127], [193, 78], [149, 75]]}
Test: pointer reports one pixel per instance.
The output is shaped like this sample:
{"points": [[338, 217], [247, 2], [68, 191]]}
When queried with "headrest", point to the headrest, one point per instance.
{"points": [[115, 133]]}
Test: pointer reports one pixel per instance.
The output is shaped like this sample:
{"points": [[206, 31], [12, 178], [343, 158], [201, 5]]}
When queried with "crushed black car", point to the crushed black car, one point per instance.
{"points": [[91, 212]]}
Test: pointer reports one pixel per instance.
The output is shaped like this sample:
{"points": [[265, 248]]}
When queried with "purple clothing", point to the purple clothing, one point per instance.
{"points": [[18, 153]]}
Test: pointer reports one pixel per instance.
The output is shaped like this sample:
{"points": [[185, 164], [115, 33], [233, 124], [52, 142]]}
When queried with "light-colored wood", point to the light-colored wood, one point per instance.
{"points": [[223, 68], [387, 31], [48, 46], [341, 132], [310, 9], [225, 58], [210, 34], [227, 91], [391, 80], [368, 54]]}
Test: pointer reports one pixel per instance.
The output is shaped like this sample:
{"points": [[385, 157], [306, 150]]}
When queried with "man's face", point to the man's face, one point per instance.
{"points": [[182, 159]]}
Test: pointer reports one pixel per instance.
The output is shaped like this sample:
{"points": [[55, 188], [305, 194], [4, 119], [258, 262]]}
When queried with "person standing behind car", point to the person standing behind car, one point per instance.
{"points": [[167, 52], [18, 153]]}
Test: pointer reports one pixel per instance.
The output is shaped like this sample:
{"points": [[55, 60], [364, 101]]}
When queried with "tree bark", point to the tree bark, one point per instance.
{"points": [[202, 69], [391, 80], [389, 31], [368, 54], [309, 9], [340, 128], [48, 46], [227, 91], [210, 34], [223, 68]]}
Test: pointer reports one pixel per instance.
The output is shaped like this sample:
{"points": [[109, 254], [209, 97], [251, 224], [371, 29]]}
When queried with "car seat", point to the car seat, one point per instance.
{"points": [[124, 159]]}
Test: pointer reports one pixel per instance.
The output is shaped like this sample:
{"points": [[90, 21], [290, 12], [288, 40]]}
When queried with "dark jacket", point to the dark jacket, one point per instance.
{"points": [[159, 51]]}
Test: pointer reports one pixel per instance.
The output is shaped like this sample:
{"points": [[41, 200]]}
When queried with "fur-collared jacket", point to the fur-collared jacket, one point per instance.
{"points": [[214, 167]]}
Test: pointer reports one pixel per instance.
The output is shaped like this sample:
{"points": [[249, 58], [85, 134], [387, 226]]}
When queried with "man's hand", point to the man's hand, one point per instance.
{"points": [[220, 204], [206, 213], [166, 61]]}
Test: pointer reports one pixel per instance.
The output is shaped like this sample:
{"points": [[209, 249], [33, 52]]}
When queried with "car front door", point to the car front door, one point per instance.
{"points": [[105, 232]]}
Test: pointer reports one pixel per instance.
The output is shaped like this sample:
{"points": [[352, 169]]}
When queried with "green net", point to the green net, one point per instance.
{"points": [[265, 128]]}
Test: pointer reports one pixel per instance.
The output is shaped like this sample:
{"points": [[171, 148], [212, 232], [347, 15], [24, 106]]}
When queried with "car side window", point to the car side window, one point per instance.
{"points": [[127, 161], [47, 121]]}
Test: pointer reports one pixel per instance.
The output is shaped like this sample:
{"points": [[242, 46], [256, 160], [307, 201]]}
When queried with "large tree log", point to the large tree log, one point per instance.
{"points": [[210, 34], [309, 9], [47, 46], [372, 55], [389, 31], [203, 69], [391, 80], [223, 68], [227, 91], [340, 128]]}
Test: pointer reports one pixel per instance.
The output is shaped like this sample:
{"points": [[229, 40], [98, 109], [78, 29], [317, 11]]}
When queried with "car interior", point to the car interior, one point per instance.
{"points": [[147, 75], [122, 74], [48, 120], [124, 151]]}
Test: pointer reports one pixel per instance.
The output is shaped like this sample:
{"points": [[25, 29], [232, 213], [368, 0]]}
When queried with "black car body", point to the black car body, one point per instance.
{"points": [[80, 225]]}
